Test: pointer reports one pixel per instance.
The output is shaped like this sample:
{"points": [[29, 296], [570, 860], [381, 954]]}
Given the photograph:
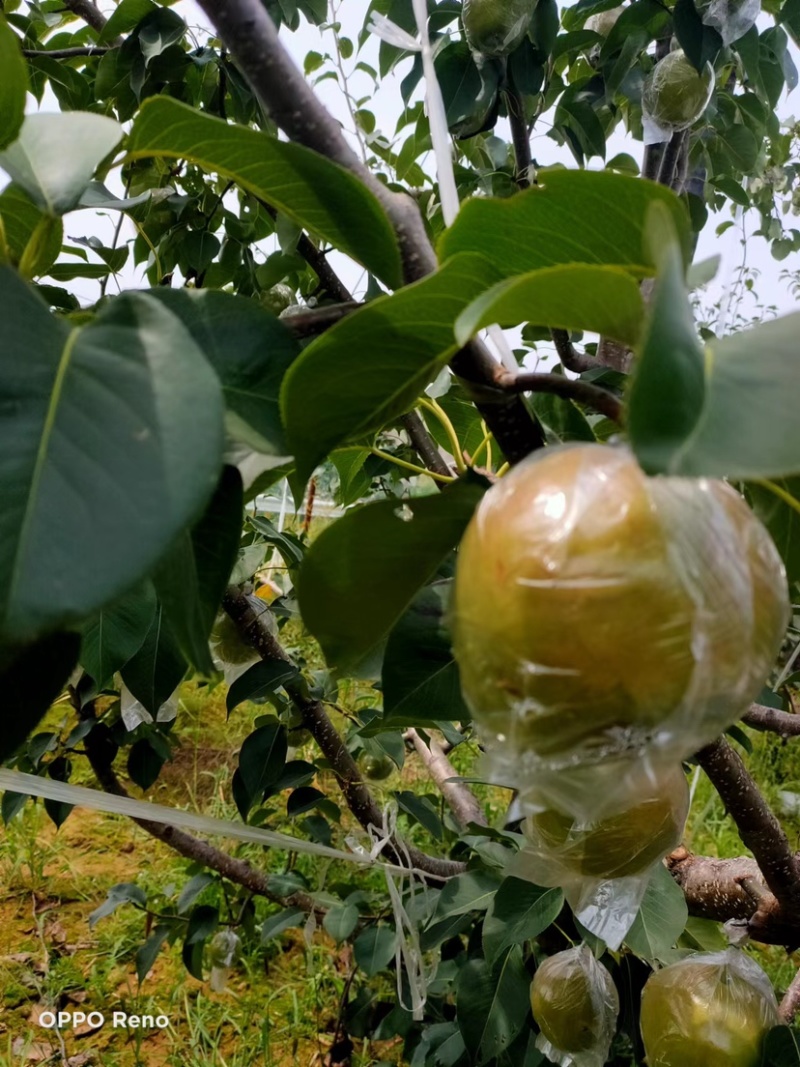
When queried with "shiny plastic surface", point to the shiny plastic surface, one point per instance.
{"points": [[496, 27], [710, 1010], [674, 97], [730, 18], [575, 1005], [598, 612]]}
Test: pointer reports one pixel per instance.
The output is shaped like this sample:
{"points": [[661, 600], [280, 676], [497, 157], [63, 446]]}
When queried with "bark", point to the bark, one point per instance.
{"points": [[460, 798]]}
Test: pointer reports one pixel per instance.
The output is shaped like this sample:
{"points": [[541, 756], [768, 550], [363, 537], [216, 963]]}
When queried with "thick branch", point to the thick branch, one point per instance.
{"points": [[252, 39], [772, 720], [669, 160], [65, 53], [316, 720], [462, 801], [570, 358], [192, 848], [790, 1004], [758, 828], [91, 14], [568, 388]]}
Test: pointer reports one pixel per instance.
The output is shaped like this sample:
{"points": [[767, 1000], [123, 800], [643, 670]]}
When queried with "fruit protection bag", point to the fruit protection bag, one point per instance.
{"points": [[598, 832], [674, 96], [600, 614], [730, 18], [496, 27], [575, 1005], [711, 1009]]}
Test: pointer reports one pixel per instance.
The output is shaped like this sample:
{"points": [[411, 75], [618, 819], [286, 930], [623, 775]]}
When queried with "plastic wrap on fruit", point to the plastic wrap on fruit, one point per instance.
{"points": [[598, 611], [711, 1010], [229, 653], [730, 18], [674, 97], [222, 953], [575, 1005], [598, 833], [496, 27]]}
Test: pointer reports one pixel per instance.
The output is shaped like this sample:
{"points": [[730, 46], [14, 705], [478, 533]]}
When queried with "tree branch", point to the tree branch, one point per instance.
{"points": [[790, 1004], [91, 14], [571, 359], [758, 828], [190, 847], [669, 159], [309, 322], [459, 796], [316, 720], [772, 720], [252, 39], [65, 53], [425, 445], [568, 388]]}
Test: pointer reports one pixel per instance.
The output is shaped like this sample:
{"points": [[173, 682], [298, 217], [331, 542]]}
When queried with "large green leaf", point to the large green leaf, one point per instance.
{"points": [[372, 365], [154, 672], [661, 918], [55, 156], [572, 216], [746, 426], [30, 680], [493, 1004], [374, 948], [250, 350], [361, 573], [471, 891], [420, 678], [605, 300], [13, 84], [518, 912], [668, 387], [110, 444], [28, 232], [192, 577], [316, 193], [117, 633]]}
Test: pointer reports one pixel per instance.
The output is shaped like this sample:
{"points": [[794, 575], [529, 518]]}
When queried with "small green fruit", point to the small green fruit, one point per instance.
{"points": [[278, 298], [675, 95], [496, 27], [377, 768], [574, 1002]]}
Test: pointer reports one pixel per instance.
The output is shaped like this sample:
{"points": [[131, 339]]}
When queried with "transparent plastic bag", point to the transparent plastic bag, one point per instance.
{"points": [[710, 1010], [133, 713], [598, 612], [229, 653], [222, 953], [598, 832], [575, 1005], [674, 97], [730, 18], [496, 27]]}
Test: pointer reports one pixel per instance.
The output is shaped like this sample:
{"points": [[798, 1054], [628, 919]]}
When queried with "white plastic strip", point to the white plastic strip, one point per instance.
{"points": [[33, 785]]}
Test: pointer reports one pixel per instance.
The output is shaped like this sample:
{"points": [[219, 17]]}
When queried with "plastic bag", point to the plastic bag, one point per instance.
{"points": [[496, 27], [575, 1005], [228, 652], [598, 612], [710, 1010], [730, 18], [222, 953], [133, 713], [598, 832], [674, 97]]}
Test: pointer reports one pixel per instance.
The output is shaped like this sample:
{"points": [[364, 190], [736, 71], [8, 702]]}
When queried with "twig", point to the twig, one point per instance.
{"points": [[424, 444], [758, 827], [570, 359], [252, 39], [772, 720], [460, 798], [308, 322], [316, 259], [570, 389], [520, 137], [316, 720], [790, 1004], [65, 53]]}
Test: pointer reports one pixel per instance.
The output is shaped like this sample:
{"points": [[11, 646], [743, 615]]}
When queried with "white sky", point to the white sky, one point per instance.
{"points": [[387, 105]]}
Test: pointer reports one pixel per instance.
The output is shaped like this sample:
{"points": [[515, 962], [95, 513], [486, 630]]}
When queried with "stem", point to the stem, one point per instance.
{"points": [[425, 445], [452, 436], [780, 492], [520, 137], [570, 359], [446, 478], [504, 469], [316, 259], [570, 389], [484, 444]]}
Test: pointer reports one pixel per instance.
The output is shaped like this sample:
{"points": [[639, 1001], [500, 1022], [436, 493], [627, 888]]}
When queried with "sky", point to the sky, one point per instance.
{"points": [[387, 105]]}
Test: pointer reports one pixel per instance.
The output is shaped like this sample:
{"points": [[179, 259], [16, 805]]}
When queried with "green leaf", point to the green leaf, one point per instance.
{"points": [[781, 1047], [493, 1004], [13, 84], [668, 387], [144, 763], [572, 216], [661, 919], [21, 220], [30, 680], [123, 893], [341, 921], [192, 577], [605, 300], [316, 193], [55, 156], [377, 361], [125, 17], [519, 911], [422, 811], [420, 677], [361, 573], [258, 681], [261, 759], [133, 409], [147, 954], [472, 891], [374, 948], [155, 671], [778, 506], [745, 429], [249, 349], [192, 890], [203, 922], [117, 633], [280, 922]]}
